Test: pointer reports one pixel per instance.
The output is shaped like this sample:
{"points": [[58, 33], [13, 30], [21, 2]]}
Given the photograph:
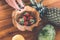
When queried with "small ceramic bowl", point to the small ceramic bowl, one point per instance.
{"points": [[22, 27]]}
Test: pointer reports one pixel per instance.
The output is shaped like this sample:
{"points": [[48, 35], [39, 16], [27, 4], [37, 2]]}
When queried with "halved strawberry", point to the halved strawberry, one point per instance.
{"points": [[26, 23], [30, 17], [27, 14], [24, 18]]}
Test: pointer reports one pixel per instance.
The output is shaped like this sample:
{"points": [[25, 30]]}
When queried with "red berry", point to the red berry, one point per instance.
{"points": [[27, 14], [26, 23], [30, 17], [24, 18]]}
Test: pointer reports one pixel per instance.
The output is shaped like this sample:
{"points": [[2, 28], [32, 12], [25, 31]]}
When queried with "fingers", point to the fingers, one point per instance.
{"points": [[21, 3], [13, 4], [8, 1]]}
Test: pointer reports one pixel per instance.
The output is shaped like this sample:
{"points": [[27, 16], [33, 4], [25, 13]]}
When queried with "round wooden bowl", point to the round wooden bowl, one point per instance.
{"points": [[22, 27]]}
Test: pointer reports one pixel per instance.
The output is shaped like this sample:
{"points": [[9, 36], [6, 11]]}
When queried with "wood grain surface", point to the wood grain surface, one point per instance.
{"points": [[7, 29]]}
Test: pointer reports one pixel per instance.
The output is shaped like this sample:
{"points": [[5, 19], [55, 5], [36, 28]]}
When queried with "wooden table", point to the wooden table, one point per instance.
{"points": [[7, 30]]}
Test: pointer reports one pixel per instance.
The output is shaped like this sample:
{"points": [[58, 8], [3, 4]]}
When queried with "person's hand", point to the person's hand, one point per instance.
{"points": [[49, 3], [13, 4]]}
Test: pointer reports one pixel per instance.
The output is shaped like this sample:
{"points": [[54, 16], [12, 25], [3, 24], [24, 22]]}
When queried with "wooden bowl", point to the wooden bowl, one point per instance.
{"points": [[22, 27]]}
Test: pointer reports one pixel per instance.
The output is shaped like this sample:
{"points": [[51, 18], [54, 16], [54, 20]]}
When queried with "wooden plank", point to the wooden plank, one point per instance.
{"points": [[5, 10], [3, 7], [2, 2], [7, 31], [57, 34], [48, 2], [5, 22], [7, 38], [4, 14], [56, 4], [5, 27]]}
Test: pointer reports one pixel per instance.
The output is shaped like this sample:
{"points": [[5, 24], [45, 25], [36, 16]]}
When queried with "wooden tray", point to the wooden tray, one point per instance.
{"points": [[7, 30]]}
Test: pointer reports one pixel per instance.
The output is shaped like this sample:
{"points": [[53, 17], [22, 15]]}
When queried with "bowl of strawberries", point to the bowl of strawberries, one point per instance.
{"points": [[27, 19]]}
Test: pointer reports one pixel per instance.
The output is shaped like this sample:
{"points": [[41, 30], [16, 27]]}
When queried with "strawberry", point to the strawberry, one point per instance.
{"points": [[30, 17], [25, 23], [24, 18], [27, 14]]}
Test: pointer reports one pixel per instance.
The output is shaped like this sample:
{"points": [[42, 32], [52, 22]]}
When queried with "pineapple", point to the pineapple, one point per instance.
{"points": [[53, 15], [39, 7]]}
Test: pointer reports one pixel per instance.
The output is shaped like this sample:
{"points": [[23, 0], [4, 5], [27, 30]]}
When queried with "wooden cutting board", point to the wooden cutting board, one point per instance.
{"points": [[7, 30]]}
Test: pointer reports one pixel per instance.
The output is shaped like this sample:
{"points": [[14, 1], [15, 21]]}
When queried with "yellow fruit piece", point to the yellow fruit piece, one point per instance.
{"points": [[18, 37]]}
